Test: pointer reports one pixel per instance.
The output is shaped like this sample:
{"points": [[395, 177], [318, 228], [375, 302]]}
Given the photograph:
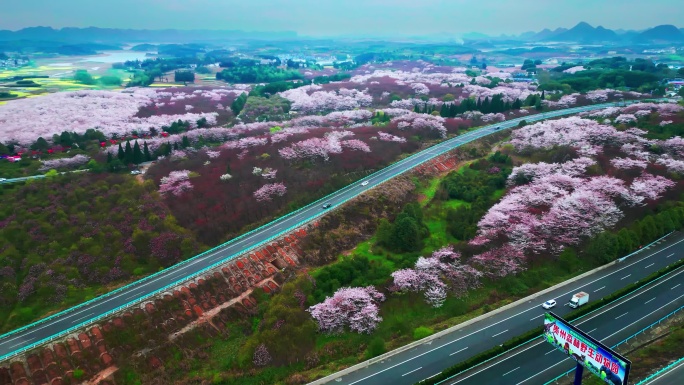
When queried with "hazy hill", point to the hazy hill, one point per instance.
{"points": [[585, 33], [661, 33]]}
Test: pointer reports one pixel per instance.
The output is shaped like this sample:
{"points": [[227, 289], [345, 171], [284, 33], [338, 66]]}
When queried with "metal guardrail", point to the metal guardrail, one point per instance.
{"points": [[660, 372], [144, 297]]}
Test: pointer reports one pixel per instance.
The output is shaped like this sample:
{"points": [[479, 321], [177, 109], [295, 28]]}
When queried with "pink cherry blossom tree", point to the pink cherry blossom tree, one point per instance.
{"points": [[176, 183], [353, 307], [268, 191]]}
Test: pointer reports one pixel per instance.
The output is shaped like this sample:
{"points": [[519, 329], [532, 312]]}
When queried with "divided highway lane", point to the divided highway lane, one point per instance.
{"points": [[429, 359], [539, 362], [13, 342]]}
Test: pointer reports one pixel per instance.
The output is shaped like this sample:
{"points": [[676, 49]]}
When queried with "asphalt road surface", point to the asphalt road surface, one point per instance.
{"points": [[432, 358], [539, 362], [24, 338], [673, 376]]}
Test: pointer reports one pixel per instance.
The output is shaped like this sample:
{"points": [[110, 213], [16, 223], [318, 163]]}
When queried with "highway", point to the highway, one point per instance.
{"points": [[432, 358], [71, 319], [673, 376], [539, 362]]}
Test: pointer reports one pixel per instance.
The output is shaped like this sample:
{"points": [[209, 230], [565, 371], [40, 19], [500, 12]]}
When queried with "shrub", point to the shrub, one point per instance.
{"points": [[421, 332], [375, 348]]}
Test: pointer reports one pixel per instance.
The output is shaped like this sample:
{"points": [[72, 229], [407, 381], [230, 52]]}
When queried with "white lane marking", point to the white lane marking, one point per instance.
{"points": [[20, 343], [546, 354], [649, 301], [601, 288], [621, 315], [481, 370], [436, 374], [458, 351], [675, 286], [674, 300], [84, 317], [498, 334], [411, 371], [511, 371], [591, 330], [559, 362], [669, 255], [540, 315], [625, 277], [649, 265]]}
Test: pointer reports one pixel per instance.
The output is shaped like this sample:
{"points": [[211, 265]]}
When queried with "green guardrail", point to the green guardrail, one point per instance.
{"points": [[450, 145]]}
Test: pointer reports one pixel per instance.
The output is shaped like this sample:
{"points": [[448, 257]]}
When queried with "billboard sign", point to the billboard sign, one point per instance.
{"points": [[599, 359]]}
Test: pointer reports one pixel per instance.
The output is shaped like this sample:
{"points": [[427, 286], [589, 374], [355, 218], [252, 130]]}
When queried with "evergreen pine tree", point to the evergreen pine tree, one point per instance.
{"points": [[175, 146], [167, 151], [416, 109], [137, 154], [543, 95], [128, 153], [146, 152], [110, 158], [185, 142], [121, 155], [478, 105]]}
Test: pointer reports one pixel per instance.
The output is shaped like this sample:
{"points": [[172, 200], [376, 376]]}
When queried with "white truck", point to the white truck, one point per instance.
{"points": [[578, 300]]}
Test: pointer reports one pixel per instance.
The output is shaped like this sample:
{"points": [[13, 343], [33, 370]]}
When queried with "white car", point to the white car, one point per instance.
{"points": [[549, 304], [136, 172], [3, 179], [364, 183]]}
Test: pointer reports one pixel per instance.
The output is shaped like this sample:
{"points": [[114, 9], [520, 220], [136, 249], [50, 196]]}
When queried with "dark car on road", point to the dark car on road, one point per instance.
{"points": [[327, 205]]}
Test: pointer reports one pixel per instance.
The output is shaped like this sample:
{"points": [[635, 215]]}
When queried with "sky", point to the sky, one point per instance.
{"points": [[343, 17]]}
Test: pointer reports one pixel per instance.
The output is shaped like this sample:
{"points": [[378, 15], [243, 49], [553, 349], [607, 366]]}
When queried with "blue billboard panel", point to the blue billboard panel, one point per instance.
{"points": [[599, 359]]}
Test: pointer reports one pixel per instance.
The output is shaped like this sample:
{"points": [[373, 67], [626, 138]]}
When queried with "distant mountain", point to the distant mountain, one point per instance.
{"points": [[547, 34], [113, 35], [667, 32], [585, 33]]}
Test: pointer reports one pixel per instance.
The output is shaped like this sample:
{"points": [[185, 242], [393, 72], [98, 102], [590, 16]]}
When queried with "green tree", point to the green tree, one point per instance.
{"points": [[238, 104], [137, 154], [184, 76], [65, 139], [110, 157], [83, 77], [121, 155], [128, 153], [185, 142], [40, 144], [4, 150], [406, 236], [375, 348], [146, 152], [384, 233]]}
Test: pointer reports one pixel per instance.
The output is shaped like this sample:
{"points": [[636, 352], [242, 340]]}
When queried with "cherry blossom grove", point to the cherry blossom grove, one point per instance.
{"points": [[61, 163], [24, 120], [268, 191], [355, 307], [310, 99], [573, 131], [176, 183], [430, 274]]}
